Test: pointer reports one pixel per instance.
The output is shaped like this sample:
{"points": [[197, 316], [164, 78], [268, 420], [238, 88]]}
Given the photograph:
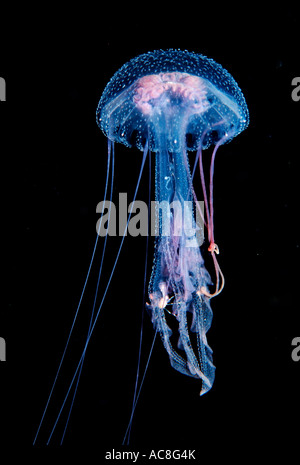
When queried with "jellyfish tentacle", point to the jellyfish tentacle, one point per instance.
{"points": [[112, 149], [208, 202], [203, 316], [192, 361], [179, 271], [110, 155], [91, 329], [160, 323], [137, 377], [128, 430]]}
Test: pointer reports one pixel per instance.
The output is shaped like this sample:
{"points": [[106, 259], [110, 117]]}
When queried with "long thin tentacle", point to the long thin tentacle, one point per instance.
{"points": [[96, 292], [103, 298], [128, 431], [139, 392], [78, 307]]}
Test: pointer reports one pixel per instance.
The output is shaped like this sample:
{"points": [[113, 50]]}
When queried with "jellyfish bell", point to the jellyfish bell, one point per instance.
{"points": [[184, 86]]}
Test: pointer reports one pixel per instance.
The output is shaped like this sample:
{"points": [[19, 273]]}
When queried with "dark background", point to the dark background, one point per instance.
{"points": [[53, 175]]}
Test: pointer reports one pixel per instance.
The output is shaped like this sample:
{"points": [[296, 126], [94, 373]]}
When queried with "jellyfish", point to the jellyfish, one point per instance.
{"points": [[172, 102], [169, 103]]}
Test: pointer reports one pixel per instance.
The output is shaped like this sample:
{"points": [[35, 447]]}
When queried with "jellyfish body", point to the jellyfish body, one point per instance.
{"points": [[168, 102], [174, 101]]}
